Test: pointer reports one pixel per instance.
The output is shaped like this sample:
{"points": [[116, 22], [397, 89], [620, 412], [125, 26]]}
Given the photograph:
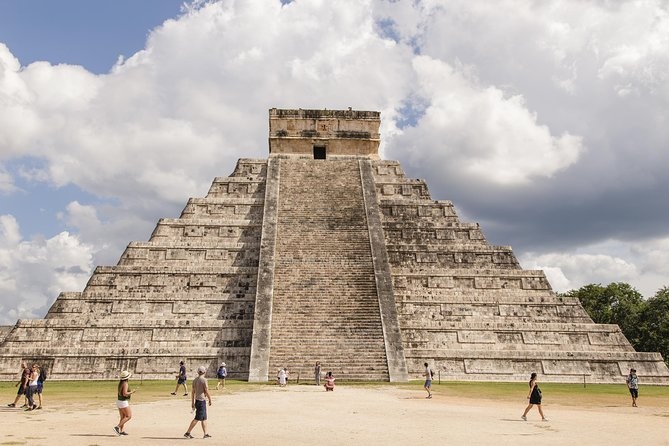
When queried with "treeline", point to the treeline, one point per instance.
{"points": [[645, 322]]}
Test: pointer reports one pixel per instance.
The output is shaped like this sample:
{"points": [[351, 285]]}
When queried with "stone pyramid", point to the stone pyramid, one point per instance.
{"points": [[322, 252]]}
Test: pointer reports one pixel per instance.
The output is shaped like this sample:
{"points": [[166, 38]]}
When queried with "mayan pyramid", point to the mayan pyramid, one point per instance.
{"points": [[322, 252]]}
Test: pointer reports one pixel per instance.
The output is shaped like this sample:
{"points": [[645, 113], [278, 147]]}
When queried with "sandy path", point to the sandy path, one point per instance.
{"points": [[306, 415]]}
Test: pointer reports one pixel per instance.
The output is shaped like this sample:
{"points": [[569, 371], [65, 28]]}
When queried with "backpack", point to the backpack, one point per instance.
{"points": [[222, 372], [42, 375], [431, 373]]}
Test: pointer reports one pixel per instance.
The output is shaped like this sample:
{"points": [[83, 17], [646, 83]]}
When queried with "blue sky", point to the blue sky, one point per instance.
{"points": [[81, 32], [546, 122], [93, 34]]}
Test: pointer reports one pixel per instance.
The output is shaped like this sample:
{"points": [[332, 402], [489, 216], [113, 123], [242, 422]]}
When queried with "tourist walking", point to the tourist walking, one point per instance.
{"points": [[329, 382], [199, 395], [428, 380], [22, 384], [31, 390], [221, 373], [123, 394], [40, 385], [317, 373], [633, 385], [181, 379], [535, 398]]}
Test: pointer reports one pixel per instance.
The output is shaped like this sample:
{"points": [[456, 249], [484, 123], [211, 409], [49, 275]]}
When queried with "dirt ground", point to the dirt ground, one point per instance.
{"points": [[307, 415]]}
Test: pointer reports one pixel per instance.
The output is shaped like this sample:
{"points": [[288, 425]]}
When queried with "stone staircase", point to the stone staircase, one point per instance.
{"points": [[325, 304], [344, 260]]}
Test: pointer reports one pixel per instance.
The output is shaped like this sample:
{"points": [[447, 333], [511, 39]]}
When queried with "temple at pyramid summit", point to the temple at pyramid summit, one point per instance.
{"points": [[322, 252]]}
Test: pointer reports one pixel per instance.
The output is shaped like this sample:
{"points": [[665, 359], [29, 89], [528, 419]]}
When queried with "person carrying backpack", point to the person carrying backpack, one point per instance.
{"points": [[221, 373]]}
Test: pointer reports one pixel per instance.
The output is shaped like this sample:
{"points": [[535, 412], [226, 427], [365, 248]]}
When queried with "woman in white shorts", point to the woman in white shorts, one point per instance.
{"points": [[123, 402]]}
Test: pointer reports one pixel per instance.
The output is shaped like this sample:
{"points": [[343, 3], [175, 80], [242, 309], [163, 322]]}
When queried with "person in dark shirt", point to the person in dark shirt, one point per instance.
{"points": [[22, 384], [181, 379], [633, 385], [535, 398]]}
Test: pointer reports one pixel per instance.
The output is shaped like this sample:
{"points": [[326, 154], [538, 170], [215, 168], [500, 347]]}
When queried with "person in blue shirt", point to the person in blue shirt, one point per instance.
{"points": [[221, 373]]}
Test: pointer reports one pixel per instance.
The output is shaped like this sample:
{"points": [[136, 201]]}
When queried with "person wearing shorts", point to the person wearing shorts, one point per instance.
{"points": [[428, 381], [221, 373], [32, 387], [123, 394], [181, 379], [199, 396], [22, 384]]}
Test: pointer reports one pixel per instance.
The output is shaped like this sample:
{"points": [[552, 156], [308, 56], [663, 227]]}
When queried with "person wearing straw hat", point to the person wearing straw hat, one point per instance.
{"points": [[123, 394], [221, 373], [199, 392]]}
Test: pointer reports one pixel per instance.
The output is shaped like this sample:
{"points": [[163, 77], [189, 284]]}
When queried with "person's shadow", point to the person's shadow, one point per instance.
{"points": [[114, 435]]}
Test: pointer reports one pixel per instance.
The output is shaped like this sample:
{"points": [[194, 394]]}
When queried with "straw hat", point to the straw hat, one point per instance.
{"points": [[222, 364], [125, 375]]}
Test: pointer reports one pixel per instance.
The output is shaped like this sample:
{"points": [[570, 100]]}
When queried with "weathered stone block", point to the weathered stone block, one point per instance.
{"points": [[535, 283], [440, 282], [501, 366], [477, 337], [487, 282], [426, 257]]}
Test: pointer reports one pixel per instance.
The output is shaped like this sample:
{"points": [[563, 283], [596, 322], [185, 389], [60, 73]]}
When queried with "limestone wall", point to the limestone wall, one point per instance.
{"points": [[343, 260], [471, 311], [188, 293], [337, 132]]}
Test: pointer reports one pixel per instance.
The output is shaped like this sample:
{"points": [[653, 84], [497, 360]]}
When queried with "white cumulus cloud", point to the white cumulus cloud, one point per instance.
{"points": [[528, 115], [480, 133], [566, 271], [34, 272]]}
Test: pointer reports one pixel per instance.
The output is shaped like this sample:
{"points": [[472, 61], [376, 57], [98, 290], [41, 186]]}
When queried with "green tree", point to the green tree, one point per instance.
{"points": [[654, 324], [617, 303]]}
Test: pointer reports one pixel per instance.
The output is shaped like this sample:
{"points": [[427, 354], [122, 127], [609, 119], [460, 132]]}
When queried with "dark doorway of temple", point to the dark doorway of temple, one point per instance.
{"points": [[319, 152]]}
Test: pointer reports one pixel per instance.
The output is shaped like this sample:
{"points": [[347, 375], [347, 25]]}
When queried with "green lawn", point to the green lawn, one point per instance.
{"points": [[564, 394], [96, 393]]}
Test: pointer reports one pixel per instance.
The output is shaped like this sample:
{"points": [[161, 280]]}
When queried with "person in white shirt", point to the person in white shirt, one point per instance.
{"points": [[428, 381]]}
